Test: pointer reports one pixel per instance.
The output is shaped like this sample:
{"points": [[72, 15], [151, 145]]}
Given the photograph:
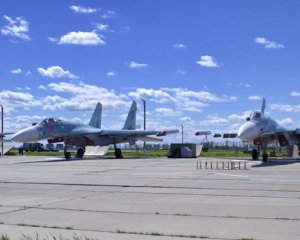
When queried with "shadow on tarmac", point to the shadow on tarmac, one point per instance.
{"points": [[76, 159], [275, 162]]}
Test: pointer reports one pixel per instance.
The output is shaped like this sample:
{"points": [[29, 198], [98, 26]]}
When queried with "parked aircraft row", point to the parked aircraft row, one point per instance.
{"points": [[258, 129]]}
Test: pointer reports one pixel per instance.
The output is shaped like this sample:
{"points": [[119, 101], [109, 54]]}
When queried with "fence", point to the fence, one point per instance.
{"points": [[222, 165]]}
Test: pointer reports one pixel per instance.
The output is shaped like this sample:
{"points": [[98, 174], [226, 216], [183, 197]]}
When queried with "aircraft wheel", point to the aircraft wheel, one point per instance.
{"points": [[255, 154], [118, 153], [80, 153], [67, 155], [265, 157]]}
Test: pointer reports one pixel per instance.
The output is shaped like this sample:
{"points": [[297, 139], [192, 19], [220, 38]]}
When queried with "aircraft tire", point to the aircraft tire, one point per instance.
{"points": [[265, 157], [118, 153], [255, 154], [80, 153], [67, 155]]}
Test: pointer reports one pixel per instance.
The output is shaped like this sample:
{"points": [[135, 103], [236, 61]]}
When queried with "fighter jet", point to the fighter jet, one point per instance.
{"points": [[262, 130], [81, 135]]}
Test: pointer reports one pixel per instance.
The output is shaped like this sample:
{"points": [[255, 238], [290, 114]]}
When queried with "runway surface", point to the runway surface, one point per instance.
{"points": [[148, 199]]}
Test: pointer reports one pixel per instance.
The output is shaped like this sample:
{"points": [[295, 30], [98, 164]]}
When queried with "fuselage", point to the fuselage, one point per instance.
{"points": [[256, 126]]}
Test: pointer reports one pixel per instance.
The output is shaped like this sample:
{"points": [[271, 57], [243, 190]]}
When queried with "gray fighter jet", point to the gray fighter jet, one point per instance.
{"points": [[81, 135], [261, 131]]}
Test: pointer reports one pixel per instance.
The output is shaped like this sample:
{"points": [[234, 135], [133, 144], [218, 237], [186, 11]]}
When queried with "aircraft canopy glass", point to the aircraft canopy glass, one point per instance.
{"points": [[255, 116], [50, 121]]}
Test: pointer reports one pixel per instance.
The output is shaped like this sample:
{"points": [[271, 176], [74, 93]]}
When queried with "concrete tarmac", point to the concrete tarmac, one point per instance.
{"points": [[148, 199]]}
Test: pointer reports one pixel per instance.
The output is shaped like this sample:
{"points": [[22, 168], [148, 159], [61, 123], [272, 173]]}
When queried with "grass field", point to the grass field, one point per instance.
{"points": [[214, 153]]}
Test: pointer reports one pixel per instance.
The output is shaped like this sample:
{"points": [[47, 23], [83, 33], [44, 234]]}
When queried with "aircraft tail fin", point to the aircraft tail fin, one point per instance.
{"points": [[263, 106], [130, 123], [96, 118]]}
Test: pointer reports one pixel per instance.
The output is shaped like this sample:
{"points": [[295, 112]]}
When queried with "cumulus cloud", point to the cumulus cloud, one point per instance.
{"points": [[179, 46], [213, 120], [180, 72], [184, 99], [168, 112], [237, 117], [135, 65], [285, 107], [81, 38], [111, 74], [14, 100], [207, 61], [102, 27], [295, 94], [242, 84], [267, 43], [254, 98], [56, 72], [286, 121], [42, 87], [16, 71], [17, 27], [108, 14], [81, 9], [83, 97]]}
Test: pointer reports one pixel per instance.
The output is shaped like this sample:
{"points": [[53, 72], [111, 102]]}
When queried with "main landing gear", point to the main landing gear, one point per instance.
{"points": [[255, 155], [80, 153], [118, 152]]}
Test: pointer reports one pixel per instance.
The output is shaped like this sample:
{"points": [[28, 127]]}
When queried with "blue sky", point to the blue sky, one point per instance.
{"points": [[203, 64]]}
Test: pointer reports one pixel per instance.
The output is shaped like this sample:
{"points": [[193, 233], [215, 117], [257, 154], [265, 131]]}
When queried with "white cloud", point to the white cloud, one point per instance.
{"points": [[108, 14], [154, 95], [111, 74], [42, 87], [14, 100], [295, 94], [135, 65], [168, 112], [207, 61], [213, 120], [237, 117], [286, 121], [180, 46], [17, 27], [180, 72], [81, 38], [84, 97], [285, 107], [254, 98], [56, 72], [242, 84], [267, 43], [184, 99], [102, 27], [16, 71], [186, 119], [81, 9], [52, 39]]}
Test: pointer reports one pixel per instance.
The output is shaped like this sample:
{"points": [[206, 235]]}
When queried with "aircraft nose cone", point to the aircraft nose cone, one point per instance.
{"points": [[26, 136], [248, 132]]}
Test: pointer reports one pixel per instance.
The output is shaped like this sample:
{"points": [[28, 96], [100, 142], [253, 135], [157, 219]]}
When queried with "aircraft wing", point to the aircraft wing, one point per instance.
{"points": [[136, 133], [84, 131]]}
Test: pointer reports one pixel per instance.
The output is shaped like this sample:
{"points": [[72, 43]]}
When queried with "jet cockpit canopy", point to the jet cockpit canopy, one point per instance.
{"points": [[50, 120], [255, 116]]}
